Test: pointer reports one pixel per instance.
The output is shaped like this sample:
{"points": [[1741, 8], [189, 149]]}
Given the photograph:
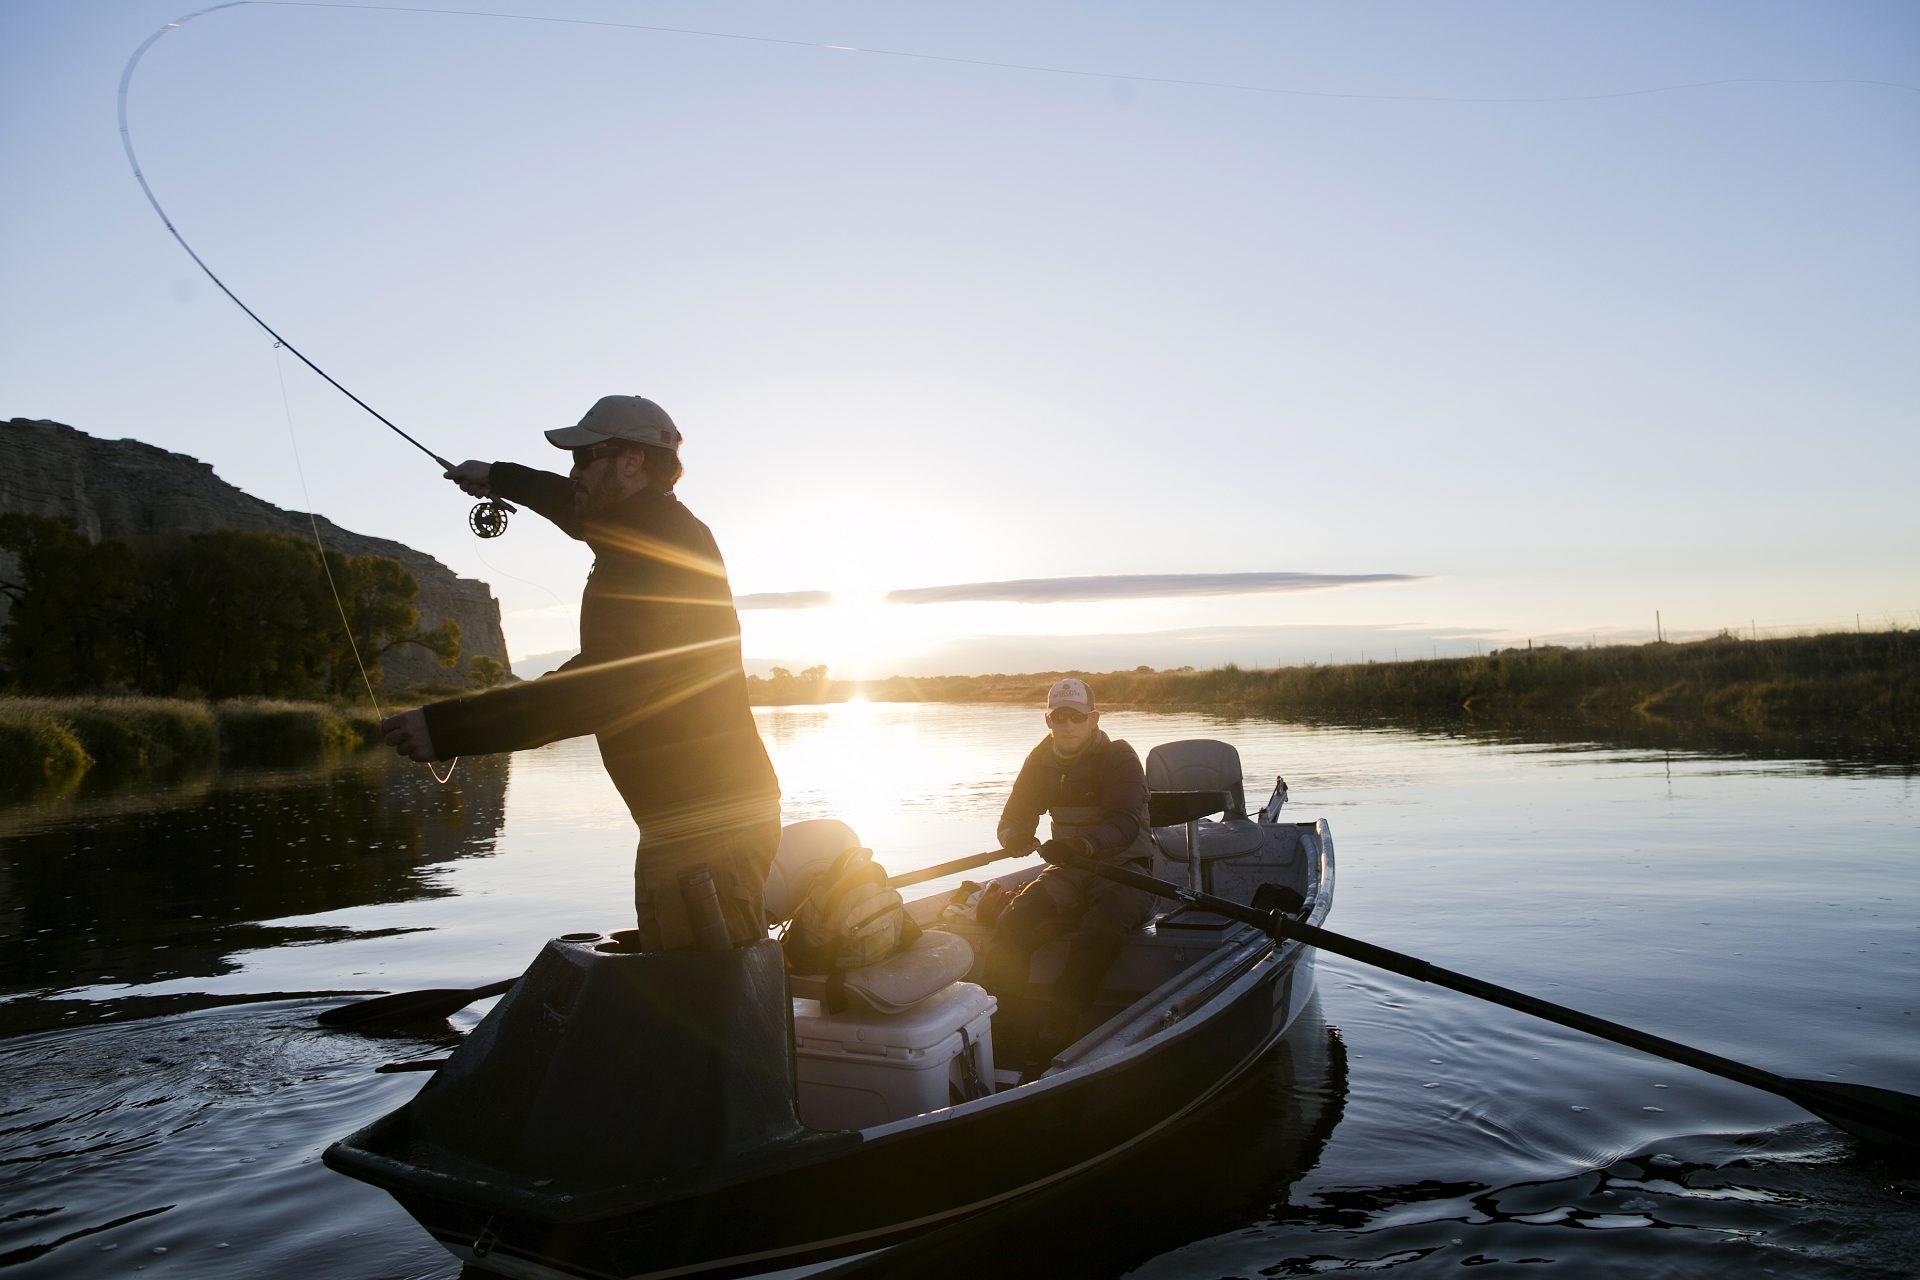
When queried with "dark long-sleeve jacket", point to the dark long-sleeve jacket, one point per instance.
{"points": [[658, 680], [1099, 795]]}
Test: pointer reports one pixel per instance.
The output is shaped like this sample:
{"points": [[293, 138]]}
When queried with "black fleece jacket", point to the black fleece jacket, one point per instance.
{"points": [[658, 679], [1101, 794]]}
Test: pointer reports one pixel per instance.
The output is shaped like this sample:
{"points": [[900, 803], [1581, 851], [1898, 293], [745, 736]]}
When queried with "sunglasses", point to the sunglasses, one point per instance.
{"points": [[1065, 715], [588, 453]]}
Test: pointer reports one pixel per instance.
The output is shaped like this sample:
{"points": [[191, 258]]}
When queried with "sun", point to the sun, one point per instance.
{"points": [[854, 634]]}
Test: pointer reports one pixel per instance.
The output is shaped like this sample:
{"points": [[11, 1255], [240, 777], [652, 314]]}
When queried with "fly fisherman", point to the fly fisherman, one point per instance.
{"points": [[1095, 792], [658, 680]]}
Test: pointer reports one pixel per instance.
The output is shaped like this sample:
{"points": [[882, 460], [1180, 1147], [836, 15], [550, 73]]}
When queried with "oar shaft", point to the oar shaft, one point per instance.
{"points": [[1421, 971], [967, 863]]}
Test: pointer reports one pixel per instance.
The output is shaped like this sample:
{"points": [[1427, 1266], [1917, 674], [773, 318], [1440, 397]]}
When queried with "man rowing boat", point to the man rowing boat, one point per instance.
{"points": [[658, 680], [1096, 793]]}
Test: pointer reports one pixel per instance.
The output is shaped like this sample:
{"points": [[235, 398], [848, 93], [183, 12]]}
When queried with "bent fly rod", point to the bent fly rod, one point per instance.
{"points": [[488, 519]]}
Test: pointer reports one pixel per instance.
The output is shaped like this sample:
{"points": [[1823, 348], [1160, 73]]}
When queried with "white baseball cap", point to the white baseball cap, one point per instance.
{"points": [[1070, 693], [634, 418]]}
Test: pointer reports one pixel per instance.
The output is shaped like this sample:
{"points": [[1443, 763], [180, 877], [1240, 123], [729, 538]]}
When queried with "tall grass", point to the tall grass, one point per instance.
{"points": [[268, 731], [1858, 683], [38, 750], [52, 742]]}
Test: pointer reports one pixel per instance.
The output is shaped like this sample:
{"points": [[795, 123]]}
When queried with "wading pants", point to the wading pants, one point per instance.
{"points": [[1094, 912], [738, 860]]}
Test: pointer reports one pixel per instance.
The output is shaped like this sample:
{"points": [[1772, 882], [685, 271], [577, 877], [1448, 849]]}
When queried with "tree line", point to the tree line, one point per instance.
{"points": [[219, 615]]}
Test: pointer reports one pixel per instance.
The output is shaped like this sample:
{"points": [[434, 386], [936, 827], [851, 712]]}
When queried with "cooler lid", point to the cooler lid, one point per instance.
{"points": [[922, 1027]]}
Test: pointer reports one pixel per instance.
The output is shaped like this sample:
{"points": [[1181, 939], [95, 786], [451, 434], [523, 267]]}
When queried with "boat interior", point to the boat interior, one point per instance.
{"points": [[918, 1031]]}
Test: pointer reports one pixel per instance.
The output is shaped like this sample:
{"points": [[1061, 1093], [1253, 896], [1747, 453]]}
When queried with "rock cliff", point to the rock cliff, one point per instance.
{"points": [[122, 488]]}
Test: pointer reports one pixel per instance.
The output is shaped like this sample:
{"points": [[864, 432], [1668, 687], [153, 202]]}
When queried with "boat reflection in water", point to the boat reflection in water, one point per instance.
{"points": [[630, 1113]]}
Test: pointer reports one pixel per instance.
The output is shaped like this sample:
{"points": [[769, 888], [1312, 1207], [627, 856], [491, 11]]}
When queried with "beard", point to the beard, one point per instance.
{"points": [[589, 501]]}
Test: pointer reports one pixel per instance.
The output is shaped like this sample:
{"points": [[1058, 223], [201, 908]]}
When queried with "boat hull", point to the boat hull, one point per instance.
{"points": [[904, 1179]]}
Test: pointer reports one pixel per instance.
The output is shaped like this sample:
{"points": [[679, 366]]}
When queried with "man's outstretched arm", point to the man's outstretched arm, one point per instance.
{"points": [[542, 492]]}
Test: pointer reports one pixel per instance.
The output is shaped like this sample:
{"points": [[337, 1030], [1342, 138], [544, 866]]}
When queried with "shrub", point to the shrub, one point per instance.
{"points": [[140, 733], [37, 749], [264, 731]]}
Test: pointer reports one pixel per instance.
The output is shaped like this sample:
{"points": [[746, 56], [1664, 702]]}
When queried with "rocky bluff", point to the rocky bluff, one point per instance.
{"points": [[123, 488]]}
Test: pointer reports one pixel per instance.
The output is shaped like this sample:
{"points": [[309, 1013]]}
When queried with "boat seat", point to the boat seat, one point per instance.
{"points": [[930, 964], [1198, 764], [1233, 838], [935, 961], [1201, 764]]}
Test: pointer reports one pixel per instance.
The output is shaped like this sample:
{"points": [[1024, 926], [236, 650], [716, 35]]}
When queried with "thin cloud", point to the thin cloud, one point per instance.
{"points": [[1095, 588], [1114, 586], [1137, 586], [784, 600]]}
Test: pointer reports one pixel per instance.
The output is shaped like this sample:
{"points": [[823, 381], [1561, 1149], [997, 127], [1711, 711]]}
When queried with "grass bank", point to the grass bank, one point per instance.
{"points": [[1846, 685], [54, 742]]}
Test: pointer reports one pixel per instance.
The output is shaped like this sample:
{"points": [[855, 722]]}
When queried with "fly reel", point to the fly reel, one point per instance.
{"points": [[489, 519]]}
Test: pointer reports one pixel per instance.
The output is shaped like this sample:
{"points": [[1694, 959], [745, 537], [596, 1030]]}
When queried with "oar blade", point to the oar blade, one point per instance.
{"points": [[1882, 1117], [434, 1005]]}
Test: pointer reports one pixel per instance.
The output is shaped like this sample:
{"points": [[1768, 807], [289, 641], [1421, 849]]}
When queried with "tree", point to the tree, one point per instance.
{"points": [[66, 630], [486, 671], [377, 594], [232, 614], [222, 614]]}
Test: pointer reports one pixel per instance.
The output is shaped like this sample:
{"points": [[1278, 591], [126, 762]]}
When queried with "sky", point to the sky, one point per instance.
{"points": [[1314, 332]]}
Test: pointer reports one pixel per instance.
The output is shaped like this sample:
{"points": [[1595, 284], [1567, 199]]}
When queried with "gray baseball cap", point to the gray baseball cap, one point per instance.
{"points": [[634, 418], [1070, 693]]}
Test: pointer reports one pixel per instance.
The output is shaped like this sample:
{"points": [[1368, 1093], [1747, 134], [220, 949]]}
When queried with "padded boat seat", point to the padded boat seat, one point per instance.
{"points": [[1234, 838], [1198, 764], [1202, 764], [934, 962]]}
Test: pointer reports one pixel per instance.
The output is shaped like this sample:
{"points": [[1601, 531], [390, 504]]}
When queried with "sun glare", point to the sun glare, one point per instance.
{"points": [[854, 635]]}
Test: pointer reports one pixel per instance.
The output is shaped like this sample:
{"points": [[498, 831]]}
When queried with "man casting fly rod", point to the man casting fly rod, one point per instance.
{"points": [[658, 680]]}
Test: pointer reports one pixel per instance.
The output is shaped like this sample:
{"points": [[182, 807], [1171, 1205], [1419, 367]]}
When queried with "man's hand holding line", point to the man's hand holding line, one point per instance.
{"points": [[407, 734]]}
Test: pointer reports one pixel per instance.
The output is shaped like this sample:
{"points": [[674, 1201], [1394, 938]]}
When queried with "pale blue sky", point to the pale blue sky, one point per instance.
{"points": [[928, 322]]}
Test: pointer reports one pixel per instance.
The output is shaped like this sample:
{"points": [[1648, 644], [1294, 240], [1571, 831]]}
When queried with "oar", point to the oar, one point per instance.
{"points": [[967, 863], [440, 1003], [434, 1005], [1884, 1116]]}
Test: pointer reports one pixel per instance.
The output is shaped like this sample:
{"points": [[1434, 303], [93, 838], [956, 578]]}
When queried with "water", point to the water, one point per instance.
{"points": [[166, 1094]]}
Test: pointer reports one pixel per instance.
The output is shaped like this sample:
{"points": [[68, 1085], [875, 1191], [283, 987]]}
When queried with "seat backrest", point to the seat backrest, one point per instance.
{"points": [[806, 849], [1198, 764]]}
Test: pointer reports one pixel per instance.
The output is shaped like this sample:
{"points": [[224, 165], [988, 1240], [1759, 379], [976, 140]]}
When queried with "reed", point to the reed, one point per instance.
{"points": [[1866, 683], [53, 742], [37, 750], [269, 731]]}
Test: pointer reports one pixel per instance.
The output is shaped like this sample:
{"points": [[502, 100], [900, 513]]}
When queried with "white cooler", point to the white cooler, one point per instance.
{"points": [[858, 1068]]}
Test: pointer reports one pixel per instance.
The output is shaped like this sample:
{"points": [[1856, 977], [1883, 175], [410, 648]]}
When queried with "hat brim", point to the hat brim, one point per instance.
{"points": [[575, 437]]}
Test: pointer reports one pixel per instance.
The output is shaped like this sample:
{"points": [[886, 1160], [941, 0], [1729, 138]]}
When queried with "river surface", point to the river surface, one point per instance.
{"points": [[164, 1094]]}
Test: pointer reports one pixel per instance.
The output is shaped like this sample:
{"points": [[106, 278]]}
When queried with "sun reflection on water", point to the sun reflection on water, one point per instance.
{"points": [[916, 789]]}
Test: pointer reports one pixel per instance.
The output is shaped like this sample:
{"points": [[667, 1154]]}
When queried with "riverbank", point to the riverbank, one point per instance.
{"points": [[1844, 687], [52, 743]]}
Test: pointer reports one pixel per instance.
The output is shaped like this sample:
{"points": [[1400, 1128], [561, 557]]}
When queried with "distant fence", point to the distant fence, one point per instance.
{"points": [[1683, 627]]}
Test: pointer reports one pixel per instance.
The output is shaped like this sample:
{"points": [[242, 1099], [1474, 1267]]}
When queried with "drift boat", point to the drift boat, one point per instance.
{"points": [[706, 1114]]}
